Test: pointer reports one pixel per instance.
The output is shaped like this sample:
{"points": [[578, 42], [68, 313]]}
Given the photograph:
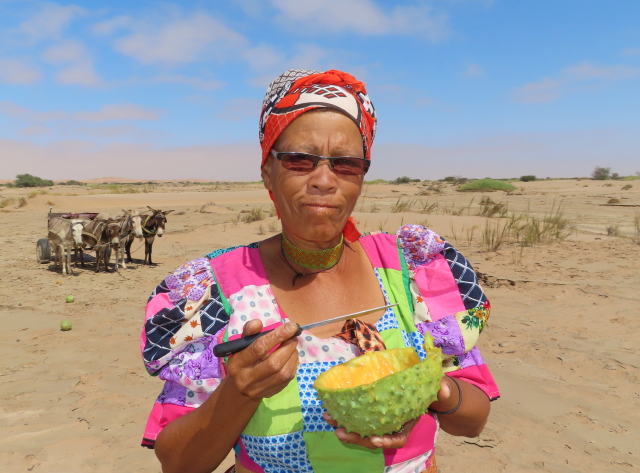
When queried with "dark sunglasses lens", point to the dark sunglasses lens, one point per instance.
{"points": [[297, 162], [349, 166]]}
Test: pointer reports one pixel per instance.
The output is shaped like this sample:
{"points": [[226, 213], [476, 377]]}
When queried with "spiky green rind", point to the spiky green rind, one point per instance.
{"points": [[384, 406]]}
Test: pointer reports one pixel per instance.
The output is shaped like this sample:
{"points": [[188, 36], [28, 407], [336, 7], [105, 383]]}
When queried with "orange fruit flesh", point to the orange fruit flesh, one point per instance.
{"points": [[368, 368]]}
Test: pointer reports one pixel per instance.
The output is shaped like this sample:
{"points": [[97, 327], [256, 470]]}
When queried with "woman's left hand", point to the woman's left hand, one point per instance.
{"points": [[394, 440]]}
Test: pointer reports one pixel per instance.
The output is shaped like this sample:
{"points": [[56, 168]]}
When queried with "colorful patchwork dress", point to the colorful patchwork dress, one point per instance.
{"points": [[208, 301]]}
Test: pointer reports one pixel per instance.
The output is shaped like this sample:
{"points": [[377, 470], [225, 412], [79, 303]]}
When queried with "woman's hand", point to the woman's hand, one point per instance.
{"points": [[255, 372], [394, 440]]}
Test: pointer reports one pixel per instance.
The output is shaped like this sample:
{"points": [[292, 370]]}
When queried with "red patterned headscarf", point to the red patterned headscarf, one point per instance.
{"points": [[299, 90]]}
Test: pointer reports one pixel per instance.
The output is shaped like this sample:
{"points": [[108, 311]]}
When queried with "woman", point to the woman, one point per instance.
{"points": [[316, 132]]}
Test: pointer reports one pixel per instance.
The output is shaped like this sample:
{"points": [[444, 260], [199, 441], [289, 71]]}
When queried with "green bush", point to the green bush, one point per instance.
{"points": [[449, 179], [601, 174], [27, 180], [405, 180], [528, 178], [487, 185]]}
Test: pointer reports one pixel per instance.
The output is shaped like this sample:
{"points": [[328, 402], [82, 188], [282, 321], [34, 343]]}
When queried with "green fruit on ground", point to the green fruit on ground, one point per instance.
{"points": [[378, 392], [65, 325], [70, 298]]}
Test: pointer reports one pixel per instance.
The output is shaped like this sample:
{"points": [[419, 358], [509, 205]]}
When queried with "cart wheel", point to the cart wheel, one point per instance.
{"points": [[43, 251]]}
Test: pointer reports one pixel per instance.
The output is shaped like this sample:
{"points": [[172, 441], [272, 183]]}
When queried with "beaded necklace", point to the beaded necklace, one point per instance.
{"points": [[320, 260]]}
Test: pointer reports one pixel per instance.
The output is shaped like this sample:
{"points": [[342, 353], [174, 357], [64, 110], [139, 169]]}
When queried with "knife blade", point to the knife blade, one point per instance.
{"points": [[239, 344]]}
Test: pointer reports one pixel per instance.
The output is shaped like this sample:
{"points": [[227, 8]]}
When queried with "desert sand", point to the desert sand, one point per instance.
{"points": [[562, 341]]}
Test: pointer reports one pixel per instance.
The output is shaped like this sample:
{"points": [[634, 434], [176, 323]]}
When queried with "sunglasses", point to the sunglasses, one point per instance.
{"points": [[304, 162]]}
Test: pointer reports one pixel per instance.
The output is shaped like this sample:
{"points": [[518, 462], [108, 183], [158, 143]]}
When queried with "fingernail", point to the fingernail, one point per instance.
{"points": [[291, 327]]}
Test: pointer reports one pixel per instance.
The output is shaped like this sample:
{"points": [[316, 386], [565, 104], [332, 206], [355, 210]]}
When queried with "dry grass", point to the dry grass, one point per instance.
{"points": [[526, 229], [403, 205], [33, 194], [491, 209], [274, 227], [613, 201], [254, 215], [205, 208], [21, 202], [627, 187], [613, 230], [636, 227], [6, 202], [428, 208]]}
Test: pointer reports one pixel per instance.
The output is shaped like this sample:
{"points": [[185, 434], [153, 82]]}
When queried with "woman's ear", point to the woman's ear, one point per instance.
{"points": [[265, 171]]}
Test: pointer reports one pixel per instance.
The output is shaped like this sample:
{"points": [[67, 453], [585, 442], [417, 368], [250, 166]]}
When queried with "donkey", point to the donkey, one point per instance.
{"points": [[153, 225], [65, 235], [130, 230], [102, 234]]}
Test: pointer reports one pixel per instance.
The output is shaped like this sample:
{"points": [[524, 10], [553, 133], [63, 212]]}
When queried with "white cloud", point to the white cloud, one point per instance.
{"points": [[80, 73], [197, 82], [50, 20], [474, 70], [571, 79], [84, 159], [263, 57], [123, 111], [108, 27], [180, 40], [363, 17], [64, 51], [239, 109], [13, 71], [112, 112]]}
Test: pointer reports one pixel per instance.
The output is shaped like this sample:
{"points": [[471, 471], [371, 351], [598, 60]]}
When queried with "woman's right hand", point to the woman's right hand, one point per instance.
{"points": [[254, 371]]}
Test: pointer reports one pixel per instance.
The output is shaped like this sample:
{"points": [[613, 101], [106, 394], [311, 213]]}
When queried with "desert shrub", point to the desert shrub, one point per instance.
{"points": [[404, 180], [449, 179], [486, 185], [21, 202], [33, 194], [72, 182], [434, 188], [205, 208], [627, 187], [274, 227], [636, 227], [615, 176], [6, 202], [528, 178], [254, 215], [613, 200], [613, 230], [601, 174], [377, 181], [27, 180]]}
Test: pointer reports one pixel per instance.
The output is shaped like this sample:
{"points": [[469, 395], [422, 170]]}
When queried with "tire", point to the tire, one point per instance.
{"points": [[43, 251]]}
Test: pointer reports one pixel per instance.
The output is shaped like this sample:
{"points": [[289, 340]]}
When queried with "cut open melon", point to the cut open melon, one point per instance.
{"points": [[378, 392]]}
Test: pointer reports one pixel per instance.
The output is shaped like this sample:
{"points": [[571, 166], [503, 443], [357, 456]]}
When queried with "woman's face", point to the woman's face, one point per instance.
{"points": [[315, 206]]}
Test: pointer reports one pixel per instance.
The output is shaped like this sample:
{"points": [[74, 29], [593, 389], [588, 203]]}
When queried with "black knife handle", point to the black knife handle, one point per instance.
{"points": [[234, 346]]}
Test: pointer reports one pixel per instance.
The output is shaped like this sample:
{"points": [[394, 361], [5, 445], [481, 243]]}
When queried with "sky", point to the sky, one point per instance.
{"points": [[172, 90]]}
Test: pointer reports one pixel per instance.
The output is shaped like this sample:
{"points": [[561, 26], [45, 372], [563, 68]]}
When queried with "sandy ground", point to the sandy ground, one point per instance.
{"points": [[561, 342]]}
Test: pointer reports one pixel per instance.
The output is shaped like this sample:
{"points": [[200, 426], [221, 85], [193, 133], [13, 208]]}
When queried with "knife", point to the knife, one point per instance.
{"points": [[239, 344]]}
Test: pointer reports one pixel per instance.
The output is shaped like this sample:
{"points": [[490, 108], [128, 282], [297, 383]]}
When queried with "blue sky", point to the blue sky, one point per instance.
{"points": [[476, 88]]}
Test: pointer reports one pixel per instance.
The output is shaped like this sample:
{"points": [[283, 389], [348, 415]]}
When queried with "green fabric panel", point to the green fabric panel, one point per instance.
{"points": [[277, 415], [392, 338], [406, 281], [327, 454], [393, 282]]}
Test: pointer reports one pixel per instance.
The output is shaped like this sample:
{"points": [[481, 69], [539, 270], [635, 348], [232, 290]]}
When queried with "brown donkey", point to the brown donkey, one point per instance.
{"points": [[102, 235], [152, 225]]}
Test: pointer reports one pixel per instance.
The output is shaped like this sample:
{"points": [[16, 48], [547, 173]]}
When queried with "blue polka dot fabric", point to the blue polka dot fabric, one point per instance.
{"points": [[310, 405], [285, 453], [387, 321]]}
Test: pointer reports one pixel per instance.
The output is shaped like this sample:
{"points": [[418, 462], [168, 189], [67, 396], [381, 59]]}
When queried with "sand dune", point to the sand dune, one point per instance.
{"points": [[561, 342]]}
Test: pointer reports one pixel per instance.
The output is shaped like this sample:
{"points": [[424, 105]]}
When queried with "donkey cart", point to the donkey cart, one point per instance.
{"points": [[44, 246]]}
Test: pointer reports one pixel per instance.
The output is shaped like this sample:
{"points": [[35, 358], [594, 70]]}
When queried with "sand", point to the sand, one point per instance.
{"points": [[561, 342]]}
